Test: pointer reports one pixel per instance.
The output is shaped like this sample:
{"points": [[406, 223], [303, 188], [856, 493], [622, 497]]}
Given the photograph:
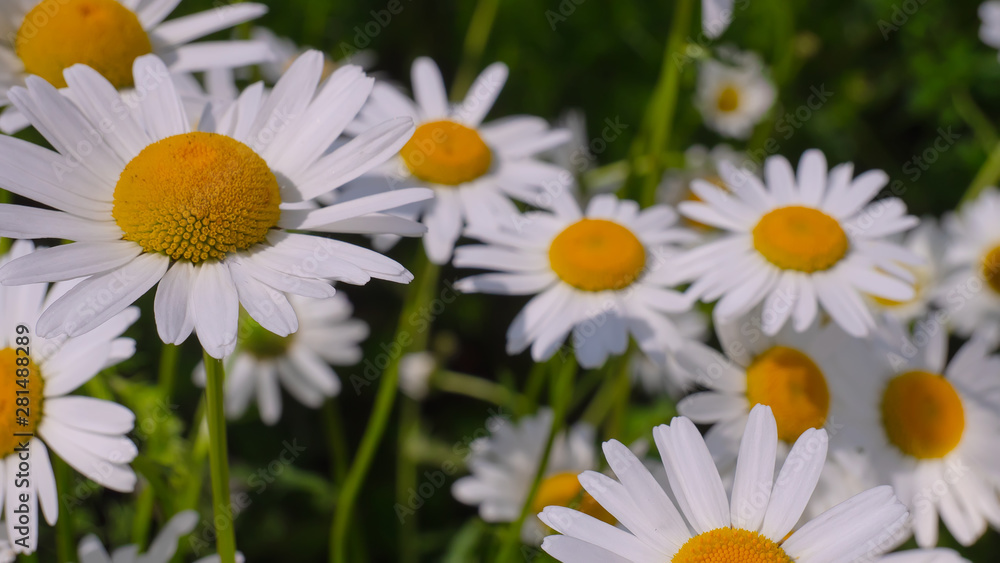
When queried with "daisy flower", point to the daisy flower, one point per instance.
{"points": [[797, 243], [797, 374], [970, 292], [755, 524], [504, 465], [162, 550], [989, 31], [298, 362], [50, 36], [929, 431], [928, 243], [733, 96], [471, 166], [88, 434], [415, 371], [207, 213], [598, 274]]}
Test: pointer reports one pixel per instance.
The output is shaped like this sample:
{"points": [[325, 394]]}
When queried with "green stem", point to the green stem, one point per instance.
{"points": [[408, 338], [562, 395], [987, 176], [168, 370], [974, 117], [536, 381], [5, 242], [406, 478], [218, 459], [475, 43], [660, 114], [143, 519], [65, 546], [477, 388]]}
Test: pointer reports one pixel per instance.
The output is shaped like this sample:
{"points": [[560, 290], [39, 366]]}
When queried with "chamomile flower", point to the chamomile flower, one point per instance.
{"points": [[471, 166], [796, 374], [162, 550], [970, 292], [504, 465], [88, 434], [264, 362], [734, 95], [596, 274], [929, 430], [50, 36], [798, 244], [755, 524], [989, 31], [927, 242], [206, 214]]}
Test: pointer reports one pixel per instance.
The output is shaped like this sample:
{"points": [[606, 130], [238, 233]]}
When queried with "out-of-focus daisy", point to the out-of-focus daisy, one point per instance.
{"points": [[970, 293], [797, 244], [7, 554], [162, 550], [415, 371], [472, 167], [88, 434], [596, 274], [797, 374], [700, 163], [989, 31], [504, 465], [264, 362], [109, 35], [206, 214], [284, 51], [940, 555], [735, 94], [755, 524], [927, 242], [929, 431], [716, 15], [656, 378]]}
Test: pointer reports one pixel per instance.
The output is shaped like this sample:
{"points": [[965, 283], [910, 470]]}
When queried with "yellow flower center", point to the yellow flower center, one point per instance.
{"points": [[991, 269], [729, 99], [922, 414], [563, 489], [260, 342], [101, 34], [730, 545], [793, 386], [800, 238], [448, 153], [196, 197], [597, 255], [14, 417]]}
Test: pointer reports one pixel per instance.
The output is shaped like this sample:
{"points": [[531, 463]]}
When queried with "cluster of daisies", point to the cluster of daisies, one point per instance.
{"points": [[832, 306]]}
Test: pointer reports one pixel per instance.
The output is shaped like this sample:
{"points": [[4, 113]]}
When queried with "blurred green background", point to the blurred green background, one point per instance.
{"points": [[899, 80]]}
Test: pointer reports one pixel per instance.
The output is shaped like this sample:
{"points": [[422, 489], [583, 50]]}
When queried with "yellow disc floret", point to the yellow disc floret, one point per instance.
{"points": [[102, 34], [197, 197], [922, 414], [800, 238], [447, 153], [563, 489], [729, 99], [793, 386], [730, 545], [597, 255], [14, 388], [991, 269]]}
